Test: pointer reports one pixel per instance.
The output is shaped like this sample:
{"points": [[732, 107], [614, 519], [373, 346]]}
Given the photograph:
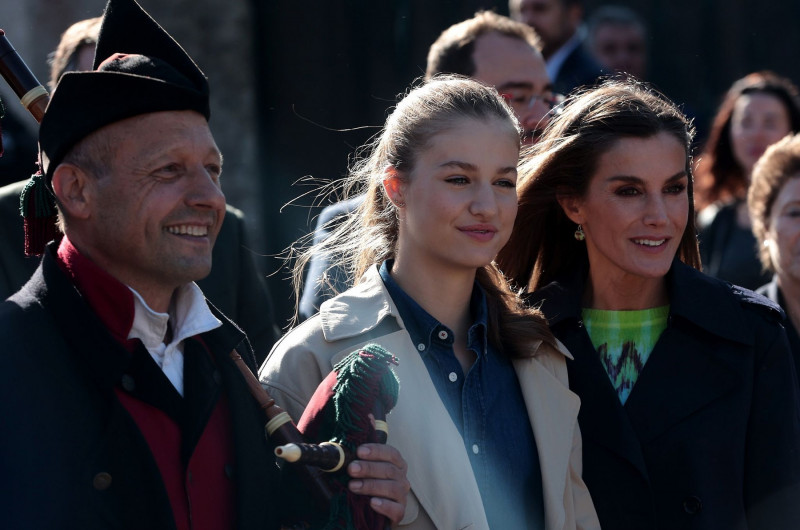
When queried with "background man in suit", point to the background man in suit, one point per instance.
{"points": [[558, 23], [617, 38]]}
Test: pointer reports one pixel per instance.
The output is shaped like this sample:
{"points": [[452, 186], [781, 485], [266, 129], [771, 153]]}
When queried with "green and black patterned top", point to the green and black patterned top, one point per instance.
{"points": [[624, 341]]}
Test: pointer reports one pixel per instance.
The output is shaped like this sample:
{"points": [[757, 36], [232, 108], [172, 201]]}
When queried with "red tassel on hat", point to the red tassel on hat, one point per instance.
{"points": [[38, 210]]}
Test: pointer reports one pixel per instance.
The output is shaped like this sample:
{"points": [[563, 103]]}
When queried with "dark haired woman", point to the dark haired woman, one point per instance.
{"points": [[689, 406], [758, 110]]}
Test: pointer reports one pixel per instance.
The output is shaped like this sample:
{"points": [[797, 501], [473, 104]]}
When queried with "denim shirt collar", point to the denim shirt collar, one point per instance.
{"points": [[423, 328]]}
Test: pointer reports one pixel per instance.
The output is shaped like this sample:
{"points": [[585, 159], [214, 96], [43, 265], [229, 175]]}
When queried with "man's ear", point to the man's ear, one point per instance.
{"points": [[572, 207], [71, 187], [394, 186]]}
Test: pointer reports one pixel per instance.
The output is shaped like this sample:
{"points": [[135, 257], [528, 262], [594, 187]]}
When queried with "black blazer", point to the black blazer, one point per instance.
{"points": [[579, 69], [774, 293], [61, 422], [728, 251], [709, 437], [315, 293]]}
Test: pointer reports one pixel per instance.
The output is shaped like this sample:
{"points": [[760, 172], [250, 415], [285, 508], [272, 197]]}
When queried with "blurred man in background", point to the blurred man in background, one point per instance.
{"points": [[558, 24], [617, 38]]}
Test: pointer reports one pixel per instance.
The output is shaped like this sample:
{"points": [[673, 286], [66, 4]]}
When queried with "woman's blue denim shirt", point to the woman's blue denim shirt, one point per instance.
{"points": [[486, 406]]}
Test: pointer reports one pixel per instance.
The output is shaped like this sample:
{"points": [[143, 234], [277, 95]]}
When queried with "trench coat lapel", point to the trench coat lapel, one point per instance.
{"points": [[603, 420], [680, 378], [677, 381], [553, 413], [439, 469]]}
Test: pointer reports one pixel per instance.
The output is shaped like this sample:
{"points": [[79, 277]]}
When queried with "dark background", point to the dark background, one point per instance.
{"points": [[297, 86]]}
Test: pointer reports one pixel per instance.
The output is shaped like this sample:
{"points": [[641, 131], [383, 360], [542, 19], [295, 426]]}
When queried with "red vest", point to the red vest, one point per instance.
{"points": [[200, 488]]}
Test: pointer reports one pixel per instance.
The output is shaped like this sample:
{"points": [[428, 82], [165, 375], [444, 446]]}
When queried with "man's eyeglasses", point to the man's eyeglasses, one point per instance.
{"points": [[525, 100]]}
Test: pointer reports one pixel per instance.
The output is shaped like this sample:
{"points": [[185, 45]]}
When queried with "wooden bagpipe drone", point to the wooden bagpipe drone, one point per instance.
{"points": [[37, 207], [348, 409], [31, 93]]}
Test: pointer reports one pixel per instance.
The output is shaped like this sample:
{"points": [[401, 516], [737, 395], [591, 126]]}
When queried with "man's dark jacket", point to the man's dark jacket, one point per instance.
{"points": [[709, 437], [71, 455], [579, 69]]}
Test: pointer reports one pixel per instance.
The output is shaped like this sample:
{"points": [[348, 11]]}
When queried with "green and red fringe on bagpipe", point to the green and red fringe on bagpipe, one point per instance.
{"points": [[360, 385]]}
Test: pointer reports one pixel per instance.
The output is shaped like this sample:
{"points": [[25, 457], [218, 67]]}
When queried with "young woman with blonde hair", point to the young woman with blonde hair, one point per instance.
{"points": [[485, 419]]}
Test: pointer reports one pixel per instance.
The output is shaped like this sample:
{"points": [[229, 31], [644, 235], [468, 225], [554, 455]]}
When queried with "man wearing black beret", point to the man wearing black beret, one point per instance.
{"points": [[120, 405], [234, 285]]}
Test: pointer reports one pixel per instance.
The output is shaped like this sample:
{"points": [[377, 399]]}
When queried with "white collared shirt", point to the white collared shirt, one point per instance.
{"points": [[188, 315]]}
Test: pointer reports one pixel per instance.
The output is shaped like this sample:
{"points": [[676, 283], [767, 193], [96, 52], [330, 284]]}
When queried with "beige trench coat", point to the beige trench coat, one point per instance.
{"points": [[444, 493]]}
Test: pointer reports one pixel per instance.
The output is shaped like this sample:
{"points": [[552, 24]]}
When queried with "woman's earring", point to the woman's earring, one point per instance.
{"points": [[579, 235]]}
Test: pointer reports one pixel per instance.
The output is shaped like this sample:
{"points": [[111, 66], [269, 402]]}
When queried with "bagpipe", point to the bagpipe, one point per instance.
{"points": [[348, 409], [33, 96], [36, 205]]}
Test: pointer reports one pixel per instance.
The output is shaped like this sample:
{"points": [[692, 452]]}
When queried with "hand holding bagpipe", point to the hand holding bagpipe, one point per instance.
{"points": [[347, 411]]}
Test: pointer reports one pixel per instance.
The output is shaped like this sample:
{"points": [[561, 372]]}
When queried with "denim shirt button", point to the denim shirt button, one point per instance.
{"points": [[443, 335], [476, 449], [421, 347], [453, 377]]}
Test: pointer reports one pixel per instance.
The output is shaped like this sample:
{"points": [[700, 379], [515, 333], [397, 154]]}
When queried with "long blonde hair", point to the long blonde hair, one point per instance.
{"points": [[369, 235]]}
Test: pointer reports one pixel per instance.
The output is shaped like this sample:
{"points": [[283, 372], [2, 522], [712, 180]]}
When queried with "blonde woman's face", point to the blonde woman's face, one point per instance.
{"points": [[783, 236], [460, 199]]}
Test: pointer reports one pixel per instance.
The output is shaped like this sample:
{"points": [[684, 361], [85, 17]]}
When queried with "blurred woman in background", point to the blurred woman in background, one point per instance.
{"points": [[758, 110]]}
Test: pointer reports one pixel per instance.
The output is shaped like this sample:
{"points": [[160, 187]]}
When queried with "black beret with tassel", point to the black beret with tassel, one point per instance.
{"points": [[138, 69]]}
